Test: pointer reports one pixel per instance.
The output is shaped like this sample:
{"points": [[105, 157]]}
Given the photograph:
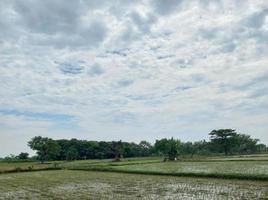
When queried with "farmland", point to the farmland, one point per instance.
{"points": [[253, 168], [209, 178], [69, 184], [6, 167], [238, 169]]}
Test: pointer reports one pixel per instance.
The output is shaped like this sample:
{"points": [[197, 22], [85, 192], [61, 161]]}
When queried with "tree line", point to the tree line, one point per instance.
{"points": [[222, 141]]}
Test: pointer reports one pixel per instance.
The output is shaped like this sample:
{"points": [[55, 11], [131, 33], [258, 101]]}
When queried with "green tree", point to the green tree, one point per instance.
{"points": [[23, 156], [47, 149], [262, 148], [245, 144], [145, 148], [169, 148], [117, 150], [223, 138], [72, 153]]}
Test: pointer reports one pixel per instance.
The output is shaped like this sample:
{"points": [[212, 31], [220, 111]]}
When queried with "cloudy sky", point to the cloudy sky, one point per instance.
{"points": [[131, 70]]}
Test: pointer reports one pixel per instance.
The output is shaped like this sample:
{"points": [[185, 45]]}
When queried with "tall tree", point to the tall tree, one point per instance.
{"points": [[23, 156], [223, 138], [117, 150], [245, 144], [145, 148], [71, 153], [47, 149], [169, 148]]}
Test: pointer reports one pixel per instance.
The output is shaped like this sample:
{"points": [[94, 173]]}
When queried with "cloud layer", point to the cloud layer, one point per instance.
{"points": [[131, 70]]}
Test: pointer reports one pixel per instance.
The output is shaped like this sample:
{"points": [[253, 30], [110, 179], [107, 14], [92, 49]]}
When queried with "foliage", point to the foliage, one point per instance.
{"points": [[69, 184], [230, 142], [243, 144], [72, 154], [47, 149], [225, 141], [23, 156], [169, 148], [223, 138]]}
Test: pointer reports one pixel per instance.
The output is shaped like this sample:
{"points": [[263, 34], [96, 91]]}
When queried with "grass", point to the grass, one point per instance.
{"points": [[109, 162], [7, 167], [250, 157], [70, 184], [215, 167], [138, 178], [239, 169], [256, 169]]}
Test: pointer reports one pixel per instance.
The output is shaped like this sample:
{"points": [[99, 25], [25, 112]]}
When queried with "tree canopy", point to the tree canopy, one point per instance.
{"points": [[47, 148], [222, 141], [169, 148]]}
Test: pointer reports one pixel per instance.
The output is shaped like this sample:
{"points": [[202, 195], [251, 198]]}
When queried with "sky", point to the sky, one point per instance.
{"points": [[131, 70]]}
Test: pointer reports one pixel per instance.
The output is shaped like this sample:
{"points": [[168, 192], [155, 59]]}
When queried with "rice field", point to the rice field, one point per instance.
{"points": [[22, 166], [96, 179], [70, 184], [243, 169], [256, 169]]}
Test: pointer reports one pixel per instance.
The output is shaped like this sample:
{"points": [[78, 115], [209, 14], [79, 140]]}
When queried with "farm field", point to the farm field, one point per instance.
{"points": [[241, 157], [209, 178], [236, 169], [109, 162], [247, 160], [21, 166], [254, 169], [72, 184], [24, 166]]}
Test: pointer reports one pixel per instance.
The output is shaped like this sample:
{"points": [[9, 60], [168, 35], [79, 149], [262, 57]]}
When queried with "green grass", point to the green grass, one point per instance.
{"points": [[70, 184], [7, 167], [233, 170], [250, 157], [251, 167], [109, 162], [256, 169], [138, 178]]}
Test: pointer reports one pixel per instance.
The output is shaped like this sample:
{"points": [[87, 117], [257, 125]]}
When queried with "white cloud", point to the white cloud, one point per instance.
{"points": [[132, 70]]}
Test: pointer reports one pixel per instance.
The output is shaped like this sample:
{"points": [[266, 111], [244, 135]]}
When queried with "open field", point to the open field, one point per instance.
{"points": [[109, 162], [253, 157], [210, 178], [25, 166], [255, 169], [237, 169], [69, 184]]}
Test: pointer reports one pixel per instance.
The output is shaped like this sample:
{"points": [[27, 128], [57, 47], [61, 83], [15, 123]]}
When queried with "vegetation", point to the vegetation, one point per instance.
{"points": [[225, 141], [87, 167], [81, 179], [7, 167], [23, 156], [233, 168], [67, 184], [217, 169], [253, 168], [169, 148], [229, 142], [47, 149]]}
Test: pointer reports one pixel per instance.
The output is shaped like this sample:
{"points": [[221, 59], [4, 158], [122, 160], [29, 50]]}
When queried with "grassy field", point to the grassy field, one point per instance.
{"points": [[95, 179], [25, 166], [250, 157], [109, 162], [252, 169], [69, 184], [238, 169]]}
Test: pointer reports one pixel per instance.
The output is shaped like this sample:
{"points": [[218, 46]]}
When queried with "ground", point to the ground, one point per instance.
{"points": [[153, 179], [67, 184]]}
